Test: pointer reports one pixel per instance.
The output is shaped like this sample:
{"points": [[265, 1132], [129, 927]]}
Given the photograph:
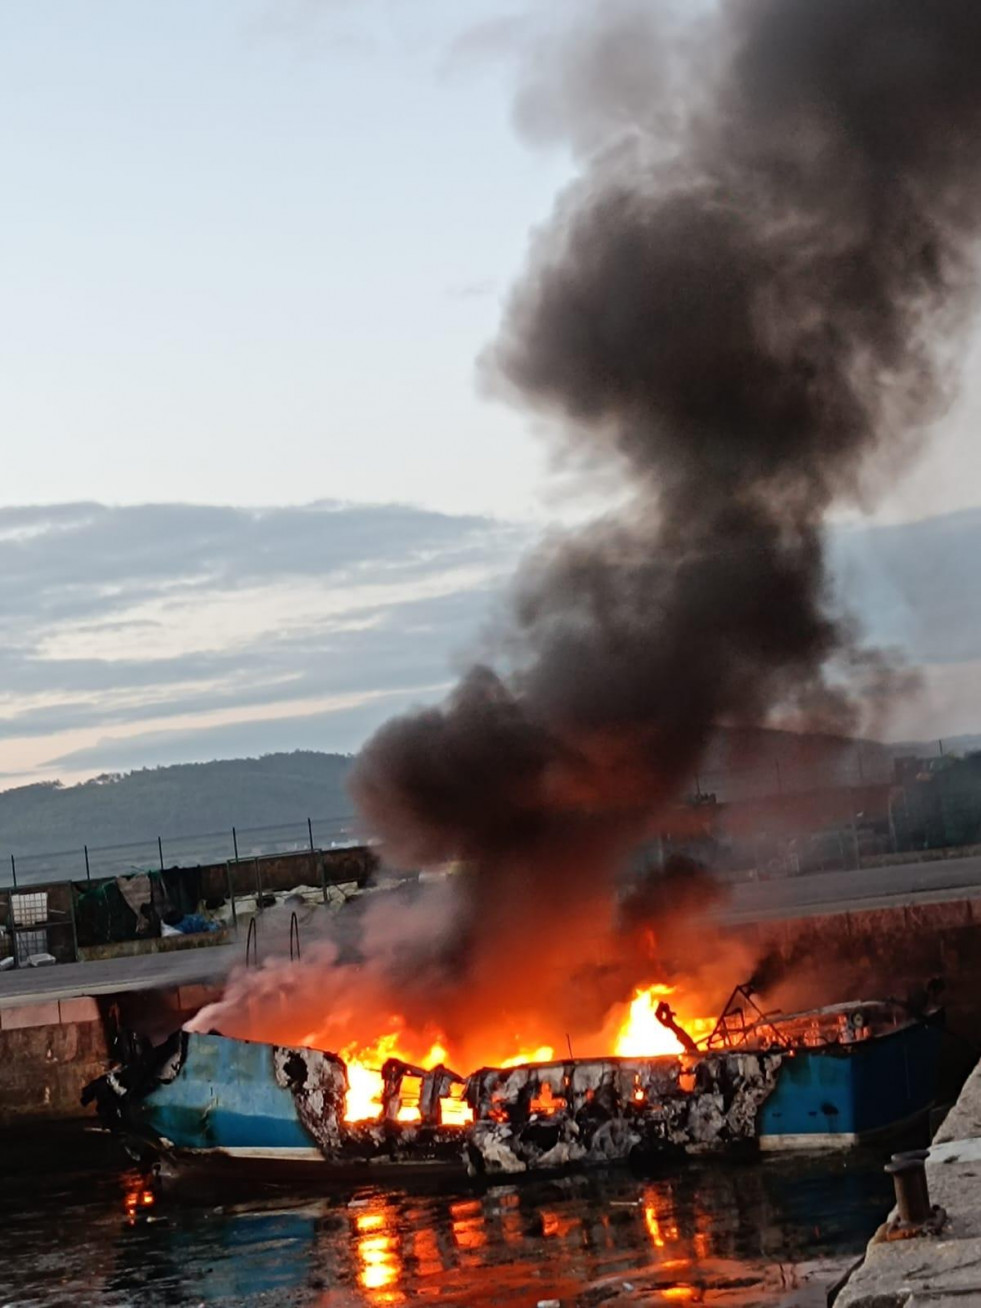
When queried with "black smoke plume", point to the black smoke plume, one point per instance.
{"points": [[747, 300]]}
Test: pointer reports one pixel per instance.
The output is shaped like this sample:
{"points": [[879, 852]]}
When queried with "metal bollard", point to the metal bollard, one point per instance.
{"points": [[908, 1174]]}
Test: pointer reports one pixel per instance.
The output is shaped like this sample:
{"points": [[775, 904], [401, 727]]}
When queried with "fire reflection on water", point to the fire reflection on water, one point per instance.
{"points": [[426, 1254], [380, 1270], [679, 1239], [659, 1220], [395, 1257], [467, 1224], [513, 1243], [138, 1200]]}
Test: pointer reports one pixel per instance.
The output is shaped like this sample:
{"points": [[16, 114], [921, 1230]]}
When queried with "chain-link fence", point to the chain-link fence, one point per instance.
{"points": [[89, 862]]}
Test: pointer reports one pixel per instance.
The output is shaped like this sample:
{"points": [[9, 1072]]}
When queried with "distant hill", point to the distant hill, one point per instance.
{"points": [[188, 798], [195, 799]]}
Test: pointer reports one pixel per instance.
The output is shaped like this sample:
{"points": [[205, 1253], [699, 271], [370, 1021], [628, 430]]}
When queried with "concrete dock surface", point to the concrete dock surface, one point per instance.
{"points": [[853, 891], [934, 1271], [29, 985]]}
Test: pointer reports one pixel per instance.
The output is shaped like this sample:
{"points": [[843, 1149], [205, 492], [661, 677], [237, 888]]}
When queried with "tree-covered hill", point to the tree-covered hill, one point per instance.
{"points": [[188, 798], [191, 799]]}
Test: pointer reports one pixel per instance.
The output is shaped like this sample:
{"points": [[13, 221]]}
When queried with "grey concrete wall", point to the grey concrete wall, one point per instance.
{"points": [[48, 1052], [881, 951]]}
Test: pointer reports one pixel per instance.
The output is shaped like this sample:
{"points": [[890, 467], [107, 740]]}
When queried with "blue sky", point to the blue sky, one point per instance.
{"points": [[252, 250]]}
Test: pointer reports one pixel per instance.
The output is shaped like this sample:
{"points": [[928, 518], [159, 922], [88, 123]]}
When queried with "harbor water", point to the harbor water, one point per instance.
{"points": [[81, 1227]]}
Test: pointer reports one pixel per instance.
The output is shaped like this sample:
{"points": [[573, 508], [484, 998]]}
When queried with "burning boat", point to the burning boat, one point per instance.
{"points": [[852, 1072], [833, 1077]]}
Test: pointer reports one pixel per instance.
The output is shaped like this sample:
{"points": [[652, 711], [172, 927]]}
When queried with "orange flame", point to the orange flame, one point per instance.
{"points": [[546, 1101], [543, 1054], [641, 1035], [631, 1032], [638, 1034], [364, 1078]]}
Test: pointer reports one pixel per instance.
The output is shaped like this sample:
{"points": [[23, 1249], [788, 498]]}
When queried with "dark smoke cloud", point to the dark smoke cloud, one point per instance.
{"points": [[747, 299]]}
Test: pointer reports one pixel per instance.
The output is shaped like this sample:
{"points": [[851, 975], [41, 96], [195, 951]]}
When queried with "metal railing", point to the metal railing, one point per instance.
{"points": [[90, 862], [70, 917]]}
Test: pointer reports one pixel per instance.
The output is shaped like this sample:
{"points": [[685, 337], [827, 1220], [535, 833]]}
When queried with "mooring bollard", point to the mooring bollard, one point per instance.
{"points": [[912, 1195]]}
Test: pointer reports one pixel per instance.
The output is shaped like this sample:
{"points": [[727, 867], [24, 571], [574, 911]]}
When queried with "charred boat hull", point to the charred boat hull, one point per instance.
{"points": [[251, 1108], [826, 1078], [258, 1107]]}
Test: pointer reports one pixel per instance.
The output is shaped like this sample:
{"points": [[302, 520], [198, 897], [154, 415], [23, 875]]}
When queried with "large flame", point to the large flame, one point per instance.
{"points": [[364, 1076], [636, 1033], [641, 1035]]}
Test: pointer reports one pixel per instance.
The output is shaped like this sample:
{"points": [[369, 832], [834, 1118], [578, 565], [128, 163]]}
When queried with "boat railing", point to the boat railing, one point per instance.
{"points": [[732, 1028]]}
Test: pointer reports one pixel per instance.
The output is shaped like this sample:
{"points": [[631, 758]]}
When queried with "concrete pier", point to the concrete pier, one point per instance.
{"points": [[50, 1048], [934, 1269], [48, 1052]]}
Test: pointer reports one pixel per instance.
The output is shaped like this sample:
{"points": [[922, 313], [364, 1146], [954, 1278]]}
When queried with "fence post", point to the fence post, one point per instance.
{"points": [[160, 851], [71, 910], [310, 833], [252, 939], [231, 894], [235, 843], [13, 873], [88, 870]]}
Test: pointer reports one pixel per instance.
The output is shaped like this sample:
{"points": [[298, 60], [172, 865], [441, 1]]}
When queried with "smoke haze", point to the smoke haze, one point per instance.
{"points": [[750, 300], [747, 299]]}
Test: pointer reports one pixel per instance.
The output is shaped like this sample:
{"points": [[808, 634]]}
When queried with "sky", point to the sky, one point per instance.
{"points": [[256, 497], [253, 249]]}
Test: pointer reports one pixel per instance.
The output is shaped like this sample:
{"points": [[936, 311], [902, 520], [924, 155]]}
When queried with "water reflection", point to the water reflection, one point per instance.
{"points": [[377, 1246], [684, 1238]]}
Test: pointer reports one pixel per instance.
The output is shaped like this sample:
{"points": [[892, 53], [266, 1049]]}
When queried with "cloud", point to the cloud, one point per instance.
{"points": [[479, 289], [345, 729], [116, 618], [172, 632], [916, 585], [488, 40]]}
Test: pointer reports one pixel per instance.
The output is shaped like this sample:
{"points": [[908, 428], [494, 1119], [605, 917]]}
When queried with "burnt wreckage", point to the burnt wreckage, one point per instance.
{"points": [[828, 1077], [209, 1094], [203, 1094], [603, 1110]]}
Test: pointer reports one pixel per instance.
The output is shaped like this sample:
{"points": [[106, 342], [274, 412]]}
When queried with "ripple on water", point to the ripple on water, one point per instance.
{"points": [[86, 1230]]}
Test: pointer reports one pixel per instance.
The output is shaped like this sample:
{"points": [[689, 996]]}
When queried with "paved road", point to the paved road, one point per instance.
{"points": [[830, 892], [31, 985], [819, 892]]}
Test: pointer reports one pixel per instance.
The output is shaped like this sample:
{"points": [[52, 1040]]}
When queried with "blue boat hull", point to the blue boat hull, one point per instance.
{"points": [[268, 1109], [844, 1095], [209, 1097], [227, 1098]]}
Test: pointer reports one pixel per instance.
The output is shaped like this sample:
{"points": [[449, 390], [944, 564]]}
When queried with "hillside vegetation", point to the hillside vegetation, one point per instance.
{"points": [[188, 798]]}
